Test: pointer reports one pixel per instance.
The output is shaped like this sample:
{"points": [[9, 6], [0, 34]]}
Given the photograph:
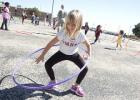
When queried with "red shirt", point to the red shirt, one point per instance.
{"points": [[97, 32]]}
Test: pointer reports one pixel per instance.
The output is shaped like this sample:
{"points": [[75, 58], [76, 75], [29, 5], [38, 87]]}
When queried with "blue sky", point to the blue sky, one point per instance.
{"points": [[111, 14]]}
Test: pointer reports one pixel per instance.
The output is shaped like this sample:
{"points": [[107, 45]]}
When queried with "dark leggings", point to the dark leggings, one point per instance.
{"points": [[4, 23], [59, 56], [86, 32], [96, 38]]}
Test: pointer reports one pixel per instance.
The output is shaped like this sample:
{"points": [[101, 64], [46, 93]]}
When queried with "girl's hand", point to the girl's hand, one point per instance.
{"points": [[40, 58], [88, 53], [86, 56]]}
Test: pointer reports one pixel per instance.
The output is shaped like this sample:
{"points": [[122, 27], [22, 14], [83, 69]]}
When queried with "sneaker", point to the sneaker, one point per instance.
{"points": [[77, 90], [51, 87]]}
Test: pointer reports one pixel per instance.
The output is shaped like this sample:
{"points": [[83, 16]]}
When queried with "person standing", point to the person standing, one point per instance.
{"points": [[86, 28], [24, 16], [119, 39], [33, 18], [60, 18], [5, 15]]}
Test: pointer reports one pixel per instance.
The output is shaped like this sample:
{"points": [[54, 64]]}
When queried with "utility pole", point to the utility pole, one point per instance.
{"points": [[52, 10]]}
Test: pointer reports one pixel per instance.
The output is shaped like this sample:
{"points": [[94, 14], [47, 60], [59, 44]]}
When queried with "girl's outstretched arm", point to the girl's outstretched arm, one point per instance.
{"points": [[46, 49], [86, 42]]}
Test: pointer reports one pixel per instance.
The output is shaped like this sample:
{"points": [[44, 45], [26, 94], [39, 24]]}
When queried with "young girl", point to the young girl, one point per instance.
{"points": [[69, 39], [98, 31], [24, 16], [119, 39], [5, 15], [86, 28]]}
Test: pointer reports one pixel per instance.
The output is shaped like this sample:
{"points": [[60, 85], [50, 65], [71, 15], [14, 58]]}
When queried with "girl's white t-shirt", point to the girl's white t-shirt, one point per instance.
{"points": [[69, 46]]}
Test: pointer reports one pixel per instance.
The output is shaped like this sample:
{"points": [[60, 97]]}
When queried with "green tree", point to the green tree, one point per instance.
{"points": [[136, 30], [35, 10]]}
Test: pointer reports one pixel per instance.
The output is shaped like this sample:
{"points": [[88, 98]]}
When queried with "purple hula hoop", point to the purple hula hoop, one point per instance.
{"points": [[42, 87]]}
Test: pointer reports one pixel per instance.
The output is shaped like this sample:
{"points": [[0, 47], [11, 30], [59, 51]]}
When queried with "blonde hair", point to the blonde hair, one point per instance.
{"points": [[74, 17]]}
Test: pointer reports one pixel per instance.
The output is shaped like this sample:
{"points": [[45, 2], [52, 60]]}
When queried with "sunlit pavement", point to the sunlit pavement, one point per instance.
{"points": [[113, 74]]}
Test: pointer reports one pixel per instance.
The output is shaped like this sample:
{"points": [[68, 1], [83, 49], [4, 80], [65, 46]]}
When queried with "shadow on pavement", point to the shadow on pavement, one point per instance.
{"points": [[46, 34], [110, 48], [19, 93]]}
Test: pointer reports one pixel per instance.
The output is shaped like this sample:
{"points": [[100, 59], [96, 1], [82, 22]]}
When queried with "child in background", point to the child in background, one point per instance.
{"points": [[5, 15], [36, 20], [54, 20], [86, 28], [119, 39], [24, 16], [33, 18], [69, 39], [98, 31]]}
